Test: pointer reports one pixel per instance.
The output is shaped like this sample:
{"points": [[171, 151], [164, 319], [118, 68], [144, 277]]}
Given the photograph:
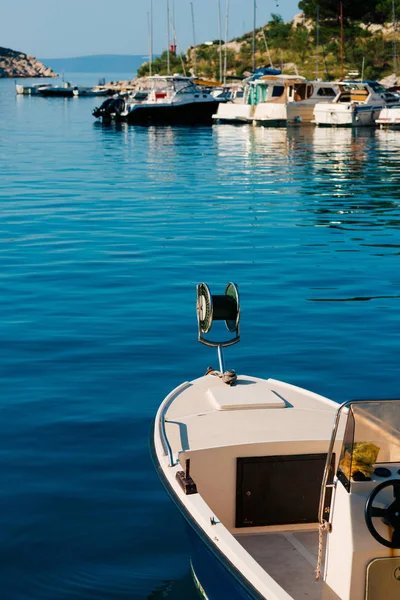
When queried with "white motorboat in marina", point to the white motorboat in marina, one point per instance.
{"points": [[286, 494], [389, 117], [170, 99], [277, 100], [358, 103]]}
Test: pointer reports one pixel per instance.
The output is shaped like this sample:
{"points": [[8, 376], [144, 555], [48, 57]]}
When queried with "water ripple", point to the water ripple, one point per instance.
{"points": [[104, 232]]}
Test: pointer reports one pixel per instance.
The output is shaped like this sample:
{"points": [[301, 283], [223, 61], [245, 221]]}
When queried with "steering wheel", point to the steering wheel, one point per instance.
{"points": [[389, 515]]}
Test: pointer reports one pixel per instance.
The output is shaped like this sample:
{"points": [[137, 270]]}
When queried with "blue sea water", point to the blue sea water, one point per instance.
{"points": [[104, 232]]}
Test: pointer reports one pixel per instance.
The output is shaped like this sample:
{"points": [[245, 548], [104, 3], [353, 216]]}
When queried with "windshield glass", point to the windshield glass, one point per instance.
{"points": [[377, 87], [185, 85], [372, 437]]}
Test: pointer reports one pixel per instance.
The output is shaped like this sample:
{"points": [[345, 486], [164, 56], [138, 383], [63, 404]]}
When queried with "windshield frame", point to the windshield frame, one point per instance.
{"points": [[343, 408]]}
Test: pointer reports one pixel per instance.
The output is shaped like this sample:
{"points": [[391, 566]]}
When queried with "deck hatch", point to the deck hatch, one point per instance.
{"points": [[279, 490], [244, 395]]}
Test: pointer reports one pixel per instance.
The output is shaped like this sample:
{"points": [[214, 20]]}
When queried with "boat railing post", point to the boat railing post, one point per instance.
{"points": [[221, 359]]}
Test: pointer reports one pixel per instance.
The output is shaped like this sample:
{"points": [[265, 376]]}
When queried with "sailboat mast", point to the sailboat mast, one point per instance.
{"points": [[226, 39], [266, 47], [220, 39], [173, 23], [317, 46], [194, 41], [394, 42], [151, 38], [341, 43], [254, 36], [168, 40]]}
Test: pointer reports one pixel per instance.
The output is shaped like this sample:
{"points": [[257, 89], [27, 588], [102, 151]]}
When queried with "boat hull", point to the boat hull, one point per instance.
{"points": [[232, 113], [389, 118], [345, 115], [61, 93], [190, 113], [213, 574]]}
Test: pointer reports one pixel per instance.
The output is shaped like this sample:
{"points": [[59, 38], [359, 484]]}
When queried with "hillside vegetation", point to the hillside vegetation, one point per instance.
{"points": [[292, 47]]}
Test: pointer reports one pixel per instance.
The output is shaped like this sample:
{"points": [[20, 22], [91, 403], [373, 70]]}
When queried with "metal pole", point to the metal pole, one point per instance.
{"points": [[221, 359], [220, 39], [151, 37], [168, 38], [266, 47], [194, 40], [362, 69], [341, 43], [173, 23], [226, 39], [254, 36], [317, 46], [394, 42]]}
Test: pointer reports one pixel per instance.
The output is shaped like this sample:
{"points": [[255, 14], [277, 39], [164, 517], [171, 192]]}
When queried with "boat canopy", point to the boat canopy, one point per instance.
{"points": [[170, 82]]}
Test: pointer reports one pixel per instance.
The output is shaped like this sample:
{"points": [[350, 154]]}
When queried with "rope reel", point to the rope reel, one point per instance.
{"points": [[224, 307]]}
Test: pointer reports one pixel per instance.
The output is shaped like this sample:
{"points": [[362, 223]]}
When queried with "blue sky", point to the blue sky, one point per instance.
{"points": [[66, 28]]}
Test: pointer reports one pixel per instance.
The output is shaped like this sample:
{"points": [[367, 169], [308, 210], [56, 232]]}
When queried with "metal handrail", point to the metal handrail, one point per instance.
{"points": [[162, 421], [325, 483]]}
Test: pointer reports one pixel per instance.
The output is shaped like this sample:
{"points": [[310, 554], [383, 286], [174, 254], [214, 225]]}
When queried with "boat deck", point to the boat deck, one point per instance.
{"points": [[209, 414], [290, 557]]}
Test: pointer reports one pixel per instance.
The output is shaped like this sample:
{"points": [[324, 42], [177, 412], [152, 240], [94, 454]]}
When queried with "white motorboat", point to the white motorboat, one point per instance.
{"points": [[171, 99], [286, 494], [92, 92], [31, 90], [389, 117], [277, 100], [358, 103]]}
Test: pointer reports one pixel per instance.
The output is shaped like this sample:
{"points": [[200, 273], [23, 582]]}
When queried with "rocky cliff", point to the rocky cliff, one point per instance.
{"points": [[17, 64]]}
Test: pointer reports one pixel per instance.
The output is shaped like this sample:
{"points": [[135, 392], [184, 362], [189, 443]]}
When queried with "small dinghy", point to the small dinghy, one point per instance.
{"points": [[286, 494]]}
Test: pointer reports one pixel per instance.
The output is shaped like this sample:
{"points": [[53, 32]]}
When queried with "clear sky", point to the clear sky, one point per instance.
{"points": [[67, 28]]}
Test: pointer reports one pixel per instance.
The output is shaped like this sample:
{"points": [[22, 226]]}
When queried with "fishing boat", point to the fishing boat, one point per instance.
{"points": [[358, 103], [277, 100], [286, 494], [170, 99]]}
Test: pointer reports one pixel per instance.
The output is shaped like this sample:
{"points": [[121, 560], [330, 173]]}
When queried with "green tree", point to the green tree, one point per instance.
{"points": [[366, 11], [301, 42], [278, 31], [160, 65]]}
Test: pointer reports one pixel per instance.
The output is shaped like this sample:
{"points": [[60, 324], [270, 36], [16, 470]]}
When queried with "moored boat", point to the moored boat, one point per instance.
{"points": [[170, 99], [31, 90], [389, 117], [357, 104], [280, 486], [65, 90], [92, 92], [277, 100]]}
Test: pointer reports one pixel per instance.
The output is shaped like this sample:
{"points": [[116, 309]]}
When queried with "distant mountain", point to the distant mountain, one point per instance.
{"points": [[98, 63]]}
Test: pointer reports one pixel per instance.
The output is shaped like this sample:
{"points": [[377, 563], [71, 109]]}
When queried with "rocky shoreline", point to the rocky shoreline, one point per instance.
{"points": [[18, 64]]}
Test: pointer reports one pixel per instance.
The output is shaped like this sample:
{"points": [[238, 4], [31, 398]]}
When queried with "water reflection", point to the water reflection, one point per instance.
{"points": [[345, 177]]}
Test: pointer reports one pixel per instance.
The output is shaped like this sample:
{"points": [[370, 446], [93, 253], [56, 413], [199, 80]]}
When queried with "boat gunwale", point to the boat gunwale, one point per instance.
{"points": [[221, 556]]}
